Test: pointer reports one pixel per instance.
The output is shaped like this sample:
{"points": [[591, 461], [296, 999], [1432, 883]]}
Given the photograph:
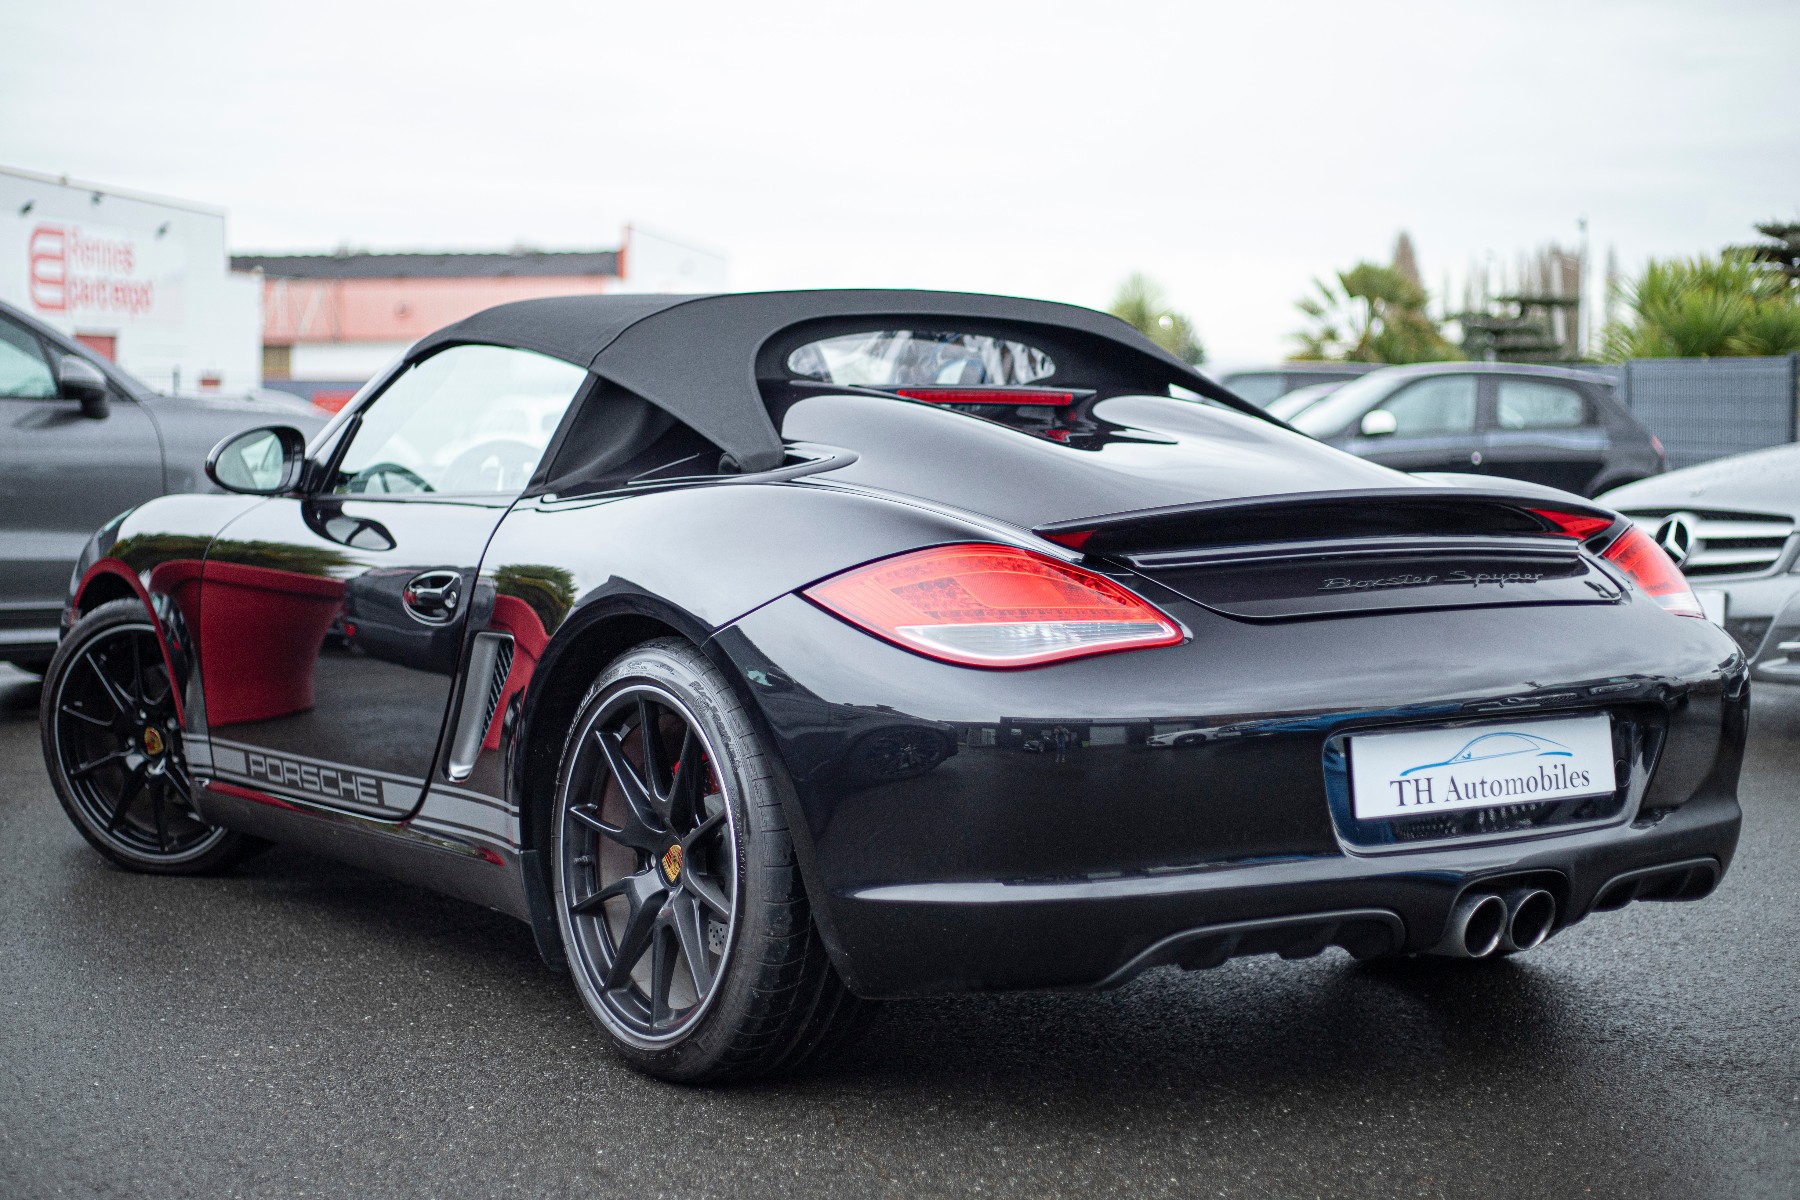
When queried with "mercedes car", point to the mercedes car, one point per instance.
{"points": [[773, 655], [1729, 524]]}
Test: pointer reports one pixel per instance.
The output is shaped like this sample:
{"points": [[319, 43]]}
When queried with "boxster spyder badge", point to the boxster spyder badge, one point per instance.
{"points": [[771, 655]]}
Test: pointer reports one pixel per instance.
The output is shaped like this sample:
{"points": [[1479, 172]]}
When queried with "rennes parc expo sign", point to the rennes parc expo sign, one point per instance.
{"points": [[76, 270]]}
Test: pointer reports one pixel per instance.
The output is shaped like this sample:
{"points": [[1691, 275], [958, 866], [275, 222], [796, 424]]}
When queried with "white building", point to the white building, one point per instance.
{"points": [[141, 280]]}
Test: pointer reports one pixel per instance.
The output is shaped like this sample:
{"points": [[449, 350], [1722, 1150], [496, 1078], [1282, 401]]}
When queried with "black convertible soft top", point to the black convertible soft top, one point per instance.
{"points": [[699, 358]]}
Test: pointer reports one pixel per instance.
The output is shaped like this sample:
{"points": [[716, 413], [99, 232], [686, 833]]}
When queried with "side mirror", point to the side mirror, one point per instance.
{"points": [[259, 462], [1378, 423], [80, 380]]}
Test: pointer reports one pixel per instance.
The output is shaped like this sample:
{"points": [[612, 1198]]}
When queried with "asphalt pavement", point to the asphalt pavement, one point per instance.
{"points": [[296, 1028]]}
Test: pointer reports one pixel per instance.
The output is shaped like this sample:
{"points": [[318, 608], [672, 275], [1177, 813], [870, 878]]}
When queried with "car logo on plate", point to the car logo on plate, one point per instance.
{"points": [[1676, 535], [1497, 745], [671, 863]]}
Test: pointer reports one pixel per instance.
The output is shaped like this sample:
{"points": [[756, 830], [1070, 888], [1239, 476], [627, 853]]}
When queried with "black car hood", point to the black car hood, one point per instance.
{"points": [[1149, 452]]}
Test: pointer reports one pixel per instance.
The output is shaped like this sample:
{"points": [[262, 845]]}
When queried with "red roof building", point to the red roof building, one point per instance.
{"points": [[331, 321]]}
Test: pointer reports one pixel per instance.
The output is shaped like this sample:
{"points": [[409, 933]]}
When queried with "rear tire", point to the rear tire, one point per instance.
{"points": [[113, 747], [677, 892]]}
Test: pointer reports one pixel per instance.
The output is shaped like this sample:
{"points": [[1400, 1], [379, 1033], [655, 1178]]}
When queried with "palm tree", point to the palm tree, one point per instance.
{"points": [[1141, 304], [1370, 313], [1780, 249], [1703, 307]]}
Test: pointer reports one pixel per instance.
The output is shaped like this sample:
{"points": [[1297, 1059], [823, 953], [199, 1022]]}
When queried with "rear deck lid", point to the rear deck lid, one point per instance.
{"points": [[1288, 583], [1312, 555]]}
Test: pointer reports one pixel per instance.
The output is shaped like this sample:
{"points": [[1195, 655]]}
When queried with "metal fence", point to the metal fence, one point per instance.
{"points": [[1707, 408]]}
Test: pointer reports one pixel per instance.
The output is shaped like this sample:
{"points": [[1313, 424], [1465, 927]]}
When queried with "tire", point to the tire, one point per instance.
{"points": [[113, 748], [677, 893]]}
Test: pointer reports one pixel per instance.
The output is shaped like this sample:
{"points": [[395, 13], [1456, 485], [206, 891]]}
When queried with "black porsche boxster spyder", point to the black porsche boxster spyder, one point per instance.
{"points": [[773, 654]]}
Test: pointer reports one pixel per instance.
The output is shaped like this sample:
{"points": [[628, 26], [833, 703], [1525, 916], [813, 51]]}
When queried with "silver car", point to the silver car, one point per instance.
{"points": [[80, 442], [1729, 525]]}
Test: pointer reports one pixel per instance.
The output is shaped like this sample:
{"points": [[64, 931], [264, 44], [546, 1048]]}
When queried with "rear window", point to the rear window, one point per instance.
{"points": [[909, 358]]}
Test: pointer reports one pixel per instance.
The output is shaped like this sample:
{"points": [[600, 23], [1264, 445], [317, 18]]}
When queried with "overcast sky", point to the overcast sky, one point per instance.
{"points": [[1231, 151]]}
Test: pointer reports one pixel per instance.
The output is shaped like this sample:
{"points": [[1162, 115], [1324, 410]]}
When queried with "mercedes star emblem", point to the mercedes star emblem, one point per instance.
{"points": [[1676, 535]]}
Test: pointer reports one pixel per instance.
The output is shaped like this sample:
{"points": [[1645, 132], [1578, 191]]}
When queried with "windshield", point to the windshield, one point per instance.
{"points": [[1291, 405], [908, 358], [1258, 387], [1343, 406]]}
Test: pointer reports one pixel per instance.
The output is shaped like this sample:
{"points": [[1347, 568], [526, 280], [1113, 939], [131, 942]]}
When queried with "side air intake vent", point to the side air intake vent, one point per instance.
{"points": [[497, 688], [490, 661]]}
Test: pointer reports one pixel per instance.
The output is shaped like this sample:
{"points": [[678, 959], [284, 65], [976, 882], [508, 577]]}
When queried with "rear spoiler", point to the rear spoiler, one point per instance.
{"points": [[1307, 516]]}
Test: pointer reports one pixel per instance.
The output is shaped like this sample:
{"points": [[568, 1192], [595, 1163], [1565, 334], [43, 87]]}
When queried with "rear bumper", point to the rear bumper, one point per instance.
{"points": [[985, 936], [1065, 827]]}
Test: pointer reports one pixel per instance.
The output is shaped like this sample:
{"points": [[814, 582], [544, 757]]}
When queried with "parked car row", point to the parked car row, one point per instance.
{"points": [[83, 441], [1730, 524]]}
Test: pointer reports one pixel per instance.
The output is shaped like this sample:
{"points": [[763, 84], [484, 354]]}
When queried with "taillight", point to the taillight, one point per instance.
{"points": [[1635, 553], [993, 606], [1575, 525], [978, 395]]}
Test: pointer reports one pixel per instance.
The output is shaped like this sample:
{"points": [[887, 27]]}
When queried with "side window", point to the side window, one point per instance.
{"points": [[471, 420], [1434, 407], [24, 372], [1528, 404]]}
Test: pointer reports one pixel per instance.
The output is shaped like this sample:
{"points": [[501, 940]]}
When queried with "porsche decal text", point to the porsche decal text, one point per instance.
{"points": [[331, 783]]}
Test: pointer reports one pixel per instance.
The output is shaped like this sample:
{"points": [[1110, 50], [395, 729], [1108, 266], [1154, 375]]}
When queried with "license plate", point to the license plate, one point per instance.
{"points": [[1403, 774], [1712, 603]]}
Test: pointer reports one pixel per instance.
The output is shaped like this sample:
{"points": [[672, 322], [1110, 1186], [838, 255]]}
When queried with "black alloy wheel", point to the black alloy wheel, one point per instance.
{"points": [[675, 883], [649, 853], [113, 744]]}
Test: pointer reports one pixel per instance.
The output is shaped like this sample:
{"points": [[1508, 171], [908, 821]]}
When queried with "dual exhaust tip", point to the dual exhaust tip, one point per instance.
{"points": [[1484, 923]]}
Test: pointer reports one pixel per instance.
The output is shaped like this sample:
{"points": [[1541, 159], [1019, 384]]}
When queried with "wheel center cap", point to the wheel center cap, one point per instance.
{"points": [[153, 740], [670, 864]]}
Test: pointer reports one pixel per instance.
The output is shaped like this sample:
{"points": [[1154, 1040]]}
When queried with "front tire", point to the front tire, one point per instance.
{"points": [[677, 892], [113, 747]]}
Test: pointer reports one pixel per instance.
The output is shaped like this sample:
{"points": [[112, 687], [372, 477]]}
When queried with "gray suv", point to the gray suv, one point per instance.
{"points": [[80, 442]]}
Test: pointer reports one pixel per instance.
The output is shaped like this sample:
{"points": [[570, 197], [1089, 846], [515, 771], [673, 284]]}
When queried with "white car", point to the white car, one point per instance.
{"points": [[1730, 525]]}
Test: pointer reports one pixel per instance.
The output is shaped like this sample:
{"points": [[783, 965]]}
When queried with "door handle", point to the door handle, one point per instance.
{"points": [[432, 597]]}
